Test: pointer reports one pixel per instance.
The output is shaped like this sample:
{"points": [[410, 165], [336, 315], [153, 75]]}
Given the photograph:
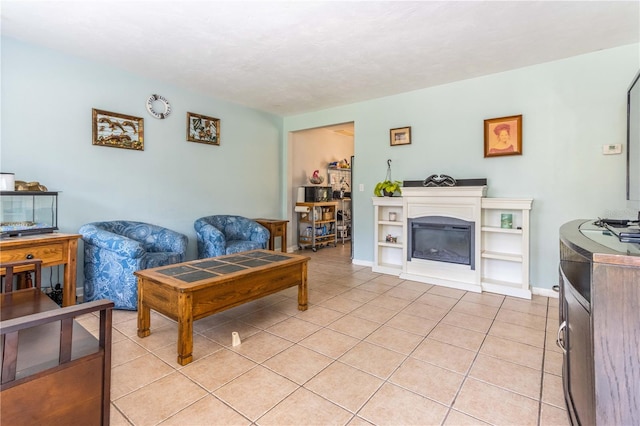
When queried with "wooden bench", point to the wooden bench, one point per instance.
{"points": [[53, 371]]}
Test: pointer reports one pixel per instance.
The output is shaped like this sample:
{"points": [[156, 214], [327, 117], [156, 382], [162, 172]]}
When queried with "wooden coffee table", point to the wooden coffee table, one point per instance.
{"points": [[189, 291]]}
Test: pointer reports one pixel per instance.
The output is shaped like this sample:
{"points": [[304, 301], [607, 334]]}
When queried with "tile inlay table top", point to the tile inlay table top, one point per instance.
{"points": [[192, 290]]}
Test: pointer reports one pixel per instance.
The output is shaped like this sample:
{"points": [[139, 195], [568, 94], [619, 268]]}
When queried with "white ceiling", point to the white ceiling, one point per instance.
{"points": [[294, 57]]}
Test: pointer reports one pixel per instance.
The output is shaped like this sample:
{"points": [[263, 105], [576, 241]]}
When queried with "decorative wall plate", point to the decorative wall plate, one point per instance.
{"points": [[157, 98]]}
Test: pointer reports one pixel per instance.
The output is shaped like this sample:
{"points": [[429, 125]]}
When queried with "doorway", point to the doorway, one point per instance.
{"points": [[318, 149]]}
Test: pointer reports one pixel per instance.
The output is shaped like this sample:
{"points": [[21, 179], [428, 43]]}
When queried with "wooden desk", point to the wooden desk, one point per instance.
{"points": [[277, 228], [53, 249], [189, 291]]}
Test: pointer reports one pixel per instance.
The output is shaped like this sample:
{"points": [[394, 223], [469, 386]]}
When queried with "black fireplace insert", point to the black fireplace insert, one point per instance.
{"points": [[442, 239]]}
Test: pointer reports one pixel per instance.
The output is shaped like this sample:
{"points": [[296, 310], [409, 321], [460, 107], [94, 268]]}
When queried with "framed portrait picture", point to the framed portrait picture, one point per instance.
{"points": [[117, 130], [503, 136], [401, 136], [203, 129]]}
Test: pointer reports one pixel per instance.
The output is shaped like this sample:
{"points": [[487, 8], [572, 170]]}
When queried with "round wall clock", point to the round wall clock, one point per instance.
{"points": [[154, 100]]}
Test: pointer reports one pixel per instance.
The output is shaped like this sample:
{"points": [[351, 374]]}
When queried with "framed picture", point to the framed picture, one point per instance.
{"points": [[401, 136], [117, 130], [503, 136], [203, 129]]}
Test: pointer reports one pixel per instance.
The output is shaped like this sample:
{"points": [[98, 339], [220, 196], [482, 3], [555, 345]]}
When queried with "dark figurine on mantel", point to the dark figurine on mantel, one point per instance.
{"points": [[441, 180]]}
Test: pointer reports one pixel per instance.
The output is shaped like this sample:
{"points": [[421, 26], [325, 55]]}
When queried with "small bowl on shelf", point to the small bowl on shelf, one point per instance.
{"points": [[316, 180]]}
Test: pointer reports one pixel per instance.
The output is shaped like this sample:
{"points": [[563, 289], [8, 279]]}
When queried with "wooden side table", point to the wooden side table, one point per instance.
{"points": [[53, 249], [277, 228]]}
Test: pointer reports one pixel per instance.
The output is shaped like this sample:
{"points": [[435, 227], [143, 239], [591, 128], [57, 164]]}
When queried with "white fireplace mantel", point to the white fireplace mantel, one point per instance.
{"points": [[501, 256], [444, 191], [460, 202]]}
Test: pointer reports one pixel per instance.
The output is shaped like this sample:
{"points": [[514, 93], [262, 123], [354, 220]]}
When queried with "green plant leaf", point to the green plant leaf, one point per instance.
{"points": [[389, 186]]}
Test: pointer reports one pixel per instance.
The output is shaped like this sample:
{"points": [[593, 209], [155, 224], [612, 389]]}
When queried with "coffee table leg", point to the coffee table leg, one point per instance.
{"points": [[302, 289], [144, 312], [185, 329]]}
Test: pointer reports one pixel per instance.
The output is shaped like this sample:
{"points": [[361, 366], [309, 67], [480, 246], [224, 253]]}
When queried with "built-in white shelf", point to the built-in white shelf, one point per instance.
{"points": [[505, 287], [505, 251], [387, 244], [509, 257], [390, 223], [387, 257], [501, 230]]}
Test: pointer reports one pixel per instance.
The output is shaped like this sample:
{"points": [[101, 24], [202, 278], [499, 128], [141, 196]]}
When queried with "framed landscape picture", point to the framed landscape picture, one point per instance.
{"points": [[203, 129], [400, 136], [117, 130]]}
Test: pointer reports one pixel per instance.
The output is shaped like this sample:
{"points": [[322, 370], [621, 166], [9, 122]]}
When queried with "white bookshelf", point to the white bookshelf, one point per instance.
{"points": [[387, 258], [505, 251]]}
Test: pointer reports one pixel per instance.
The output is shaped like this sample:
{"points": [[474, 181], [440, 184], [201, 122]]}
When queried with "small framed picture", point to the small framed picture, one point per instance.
{"points": [[117, 130], [506, 220], [401, 136], [203, 129], [503, 136]]}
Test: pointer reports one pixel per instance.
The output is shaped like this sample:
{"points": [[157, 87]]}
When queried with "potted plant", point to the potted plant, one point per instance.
{"points": [[388, 186]]}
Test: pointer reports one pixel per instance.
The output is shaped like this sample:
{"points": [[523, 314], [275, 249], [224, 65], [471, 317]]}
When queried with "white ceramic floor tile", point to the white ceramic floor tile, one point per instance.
{"points": [[359, 356]]}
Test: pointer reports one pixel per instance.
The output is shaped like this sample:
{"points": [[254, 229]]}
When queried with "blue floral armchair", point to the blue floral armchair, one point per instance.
{"points": [[113, 251], [227, 234]]}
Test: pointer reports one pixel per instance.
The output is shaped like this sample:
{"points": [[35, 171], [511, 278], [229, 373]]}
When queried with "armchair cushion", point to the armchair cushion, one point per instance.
{"points": [[227, 234], [114, 250]]}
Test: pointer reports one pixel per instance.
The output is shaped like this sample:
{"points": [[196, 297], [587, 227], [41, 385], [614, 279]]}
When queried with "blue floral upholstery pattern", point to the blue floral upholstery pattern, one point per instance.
{"points": [[113, 251], [227, 234]]}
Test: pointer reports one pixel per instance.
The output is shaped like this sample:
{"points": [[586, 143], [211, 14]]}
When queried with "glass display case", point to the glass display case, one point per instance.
{"points": [[28, 212]]}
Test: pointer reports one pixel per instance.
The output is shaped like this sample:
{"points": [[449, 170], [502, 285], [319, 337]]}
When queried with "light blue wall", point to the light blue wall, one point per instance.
{"points": [[47, 98], [570, 109]]}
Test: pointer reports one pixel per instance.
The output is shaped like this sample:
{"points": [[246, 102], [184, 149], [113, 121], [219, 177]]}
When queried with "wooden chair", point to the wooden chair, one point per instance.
{"points": [[9, 274], [53, 371]]}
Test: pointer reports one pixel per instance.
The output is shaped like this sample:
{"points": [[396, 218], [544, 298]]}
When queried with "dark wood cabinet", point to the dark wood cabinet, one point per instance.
{"points": [[578, 361], [599, 328]]}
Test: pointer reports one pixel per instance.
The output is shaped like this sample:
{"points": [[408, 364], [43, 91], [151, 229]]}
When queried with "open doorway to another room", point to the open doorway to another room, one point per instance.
{"points": [[329, 151]]}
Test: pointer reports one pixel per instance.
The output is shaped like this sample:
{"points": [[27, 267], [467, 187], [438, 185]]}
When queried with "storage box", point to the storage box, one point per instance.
{"points": [[7, 182], [28, 212]]}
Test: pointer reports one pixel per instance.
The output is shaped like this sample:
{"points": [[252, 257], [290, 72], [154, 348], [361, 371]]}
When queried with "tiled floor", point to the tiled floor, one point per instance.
{"points": [[371, 349]]}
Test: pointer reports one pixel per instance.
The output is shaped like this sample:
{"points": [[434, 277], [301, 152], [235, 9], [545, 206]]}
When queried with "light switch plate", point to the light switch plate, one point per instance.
{"points": [[612, 149]]}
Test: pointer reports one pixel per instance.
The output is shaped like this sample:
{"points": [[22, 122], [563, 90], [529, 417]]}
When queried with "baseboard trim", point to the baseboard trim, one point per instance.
{"points": [[539, 291], [547, 292]]}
